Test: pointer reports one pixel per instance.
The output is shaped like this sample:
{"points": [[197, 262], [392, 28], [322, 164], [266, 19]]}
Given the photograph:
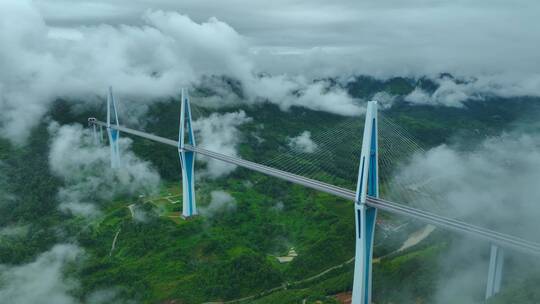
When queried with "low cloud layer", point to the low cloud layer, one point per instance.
{"points": [[219, 133], [220, 202], [75, 49], [44, 280], [14, 231], [303, 143], [384, 38], [496, 185], [453, 93], [492, 185], [41, 281], [85, 169], [459, 281], [160, 53]]}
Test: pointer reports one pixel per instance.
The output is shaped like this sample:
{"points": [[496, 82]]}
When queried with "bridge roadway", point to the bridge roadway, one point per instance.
{"points": [[501, 239]]}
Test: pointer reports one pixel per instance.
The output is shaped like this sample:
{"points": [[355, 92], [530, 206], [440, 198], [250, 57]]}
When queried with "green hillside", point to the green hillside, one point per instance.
{"points": [[232, 253]]}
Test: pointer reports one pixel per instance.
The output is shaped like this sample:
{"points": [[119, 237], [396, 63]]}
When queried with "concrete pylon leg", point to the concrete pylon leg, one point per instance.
{"points": [[187, 158], [94, 134], [115, 148], [365, 216], [100, 134], [114, 134], [365, 231], [496, 263]]}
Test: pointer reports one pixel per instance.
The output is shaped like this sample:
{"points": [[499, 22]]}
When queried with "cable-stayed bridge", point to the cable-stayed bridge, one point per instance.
{"points": [[366, 197]]}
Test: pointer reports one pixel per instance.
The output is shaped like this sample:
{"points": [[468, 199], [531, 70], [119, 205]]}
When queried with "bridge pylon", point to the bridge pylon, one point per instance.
{"points": [[365, 216], [496, 262], [187, 158], [114, 134]]}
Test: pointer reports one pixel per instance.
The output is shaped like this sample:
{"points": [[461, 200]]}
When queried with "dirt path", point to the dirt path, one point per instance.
{"points": [[114, 242], [417, 237], [324, 272], [131, 209], [414, 239]]}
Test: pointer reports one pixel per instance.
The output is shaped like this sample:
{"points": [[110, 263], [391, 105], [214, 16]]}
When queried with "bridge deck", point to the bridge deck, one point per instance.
{"points": [[501, 239]]}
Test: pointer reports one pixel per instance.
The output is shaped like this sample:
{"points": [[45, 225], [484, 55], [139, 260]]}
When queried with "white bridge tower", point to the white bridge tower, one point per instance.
{"points": [[496, 262], [114, 133], [187, 158], [365, 216]]}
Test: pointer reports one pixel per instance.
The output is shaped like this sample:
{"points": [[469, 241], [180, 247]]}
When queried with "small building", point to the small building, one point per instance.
{"points": [[289, 257]]}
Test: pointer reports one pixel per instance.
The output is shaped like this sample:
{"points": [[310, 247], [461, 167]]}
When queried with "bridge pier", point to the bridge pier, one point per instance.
{"points": [[114, 134], [366, 216], [100, 134], [187, 158], [95, 134], [496, 262]]}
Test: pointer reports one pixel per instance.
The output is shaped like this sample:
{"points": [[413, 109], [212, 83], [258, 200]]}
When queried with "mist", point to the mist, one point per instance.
{"points": [[220, 202], [46, 280], [303, 143], [220, 133], [155, 58], [493, 184], [148, 54], [301, 54], [41, 281], [84, 166]]}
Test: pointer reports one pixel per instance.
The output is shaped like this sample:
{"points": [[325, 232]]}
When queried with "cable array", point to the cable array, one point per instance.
{"points": [[379, 203], [336, 157], [397, 149], [331, 160]]}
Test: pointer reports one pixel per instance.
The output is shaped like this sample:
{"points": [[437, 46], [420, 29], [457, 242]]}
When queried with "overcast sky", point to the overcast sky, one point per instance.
{"points": [[416, 36], [148, 49]]}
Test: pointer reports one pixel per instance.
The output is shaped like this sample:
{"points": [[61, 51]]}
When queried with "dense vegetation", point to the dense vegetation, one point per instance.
{"points": [[231, 254]]}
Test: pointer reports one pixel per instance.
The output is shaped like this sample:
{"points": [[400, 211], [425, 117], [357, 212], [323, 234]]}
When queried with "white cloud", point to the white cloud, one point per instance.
{"points": [[464, 266], [219, 133], [154, 58], [139, 214], [494, 186], [288, 91], [77, 48], [278, 207], [452, 93], [384, 99], [43, 281], [85, 169], [418, 96], [14, 231], [303, 143], [40, 281], [220, 202]]}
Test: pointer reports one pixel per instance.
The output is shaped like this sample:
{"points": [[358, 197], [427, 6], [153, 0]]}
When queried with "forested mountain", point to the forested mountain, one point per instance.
{"points": [[134, 247]]}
